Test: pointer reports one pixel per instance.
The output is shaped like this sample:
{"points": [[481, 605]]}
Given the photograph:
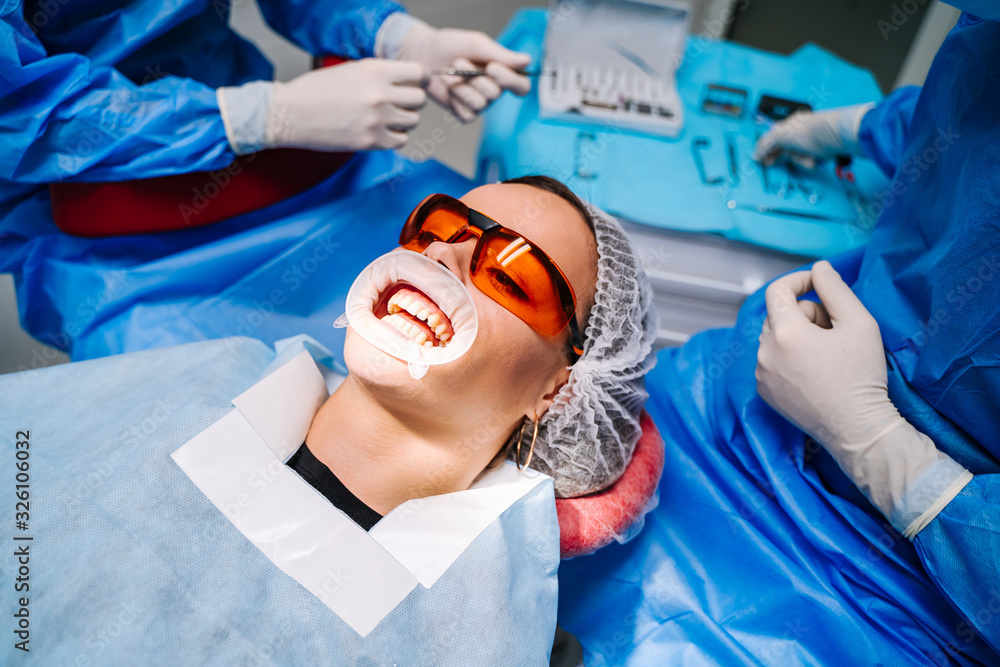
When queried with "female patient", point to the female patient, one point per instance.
{"points": [[523, 378], [143, 559]]}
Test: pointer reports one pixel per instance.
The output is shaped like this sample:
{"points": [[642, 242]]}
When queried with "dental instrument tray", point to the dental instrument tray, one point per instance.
{"points": [[614, 62]]}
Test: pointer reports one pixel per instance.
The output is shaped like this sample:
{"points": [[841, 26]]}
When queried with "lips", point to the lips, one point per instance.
{"points": [[414, 314], [404, 297]]}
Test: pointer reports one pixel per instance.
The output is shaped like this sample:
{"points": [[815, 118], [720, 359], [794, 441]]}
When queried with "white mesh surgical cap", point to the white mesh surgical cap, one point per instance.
{"points": [[586, 438]]}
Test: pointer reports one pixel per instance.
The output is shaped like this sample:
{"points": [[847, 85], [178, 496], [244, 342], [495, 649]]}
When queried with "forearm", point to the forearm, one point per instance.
{"points": [[960, 549], [80, 122], [900, 471]]}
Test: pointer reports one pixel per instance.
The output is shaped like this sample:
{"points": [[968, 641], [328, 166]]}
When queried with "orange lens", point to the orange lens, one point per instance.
{"points": [[437, 218], [505, 266], [523, 280]]}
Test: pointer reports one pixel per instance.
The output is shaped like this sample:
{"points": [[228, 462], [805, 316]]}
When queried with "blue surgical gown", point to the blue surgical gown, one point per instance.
{"points": [[113, 90], [931, 278], [762, 551]]}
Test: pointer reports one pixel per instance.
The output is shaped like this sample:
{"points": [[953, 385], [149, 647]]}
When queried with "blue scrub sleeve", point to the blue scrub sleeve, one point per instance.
{"points": [[985, 9], [960, 550], [344, 28], [882, 135], [64, 118]]}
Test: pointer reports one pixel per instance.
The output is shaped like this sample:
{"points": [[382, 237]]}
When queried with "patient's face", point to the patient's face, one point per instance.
{"points": [[510, 365]]}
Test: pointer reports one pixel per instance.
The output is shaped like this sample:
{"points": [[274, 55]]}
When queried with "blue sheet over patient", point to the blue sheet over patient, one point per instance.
{"points": [[133, 564]]}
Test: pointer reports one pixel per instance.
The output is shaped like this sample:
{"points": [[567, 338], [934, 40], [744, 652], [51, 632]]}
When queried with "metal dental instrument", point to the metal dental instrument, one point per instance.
{"points": [[732, 153], [797, 181], [469, 73], [699, 144], [765, 181], [787, 212]]}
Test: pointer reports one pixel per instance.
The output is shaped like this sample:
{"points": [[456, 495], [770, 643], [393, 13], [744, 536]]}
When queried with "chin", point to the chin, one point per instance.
{"points": [[371, 365], [383, 373]]}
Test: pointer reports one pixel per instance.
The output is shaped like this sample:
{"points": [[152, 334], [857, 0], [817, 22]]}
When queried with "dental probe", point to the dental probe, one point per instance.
{"points": [[787, 212], [451, 71]]}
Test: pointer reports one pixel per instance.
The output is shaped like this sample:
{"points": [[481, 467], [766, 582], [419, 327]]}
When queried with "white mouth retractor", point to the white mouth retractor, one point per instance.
{"points": [[437, 282]]}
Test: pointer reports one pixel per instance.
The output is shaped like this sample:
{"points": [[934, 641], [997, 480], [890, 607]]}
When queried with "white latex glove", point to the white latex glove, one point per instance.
{"points": [[823, 368], [807, 136], [464, 49], [362, 105]]}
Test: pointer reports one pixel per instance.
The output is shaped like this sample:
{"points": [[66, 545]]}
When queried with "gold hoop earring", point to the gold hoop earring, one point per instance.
{"points": [[531, 450]]}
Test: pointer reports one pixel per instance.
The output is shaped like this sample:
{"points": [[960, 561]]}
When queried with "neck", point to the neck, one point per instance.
{"points": [[386, 456]]}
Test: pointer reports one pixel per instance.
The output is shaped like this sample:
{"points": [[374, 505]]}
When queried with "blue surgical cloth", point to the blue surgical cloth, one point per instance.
{"points": [[761, 551], [269, 274], [931, 281], [986, 9], [132, 564], [655, 181], [117, 90]]}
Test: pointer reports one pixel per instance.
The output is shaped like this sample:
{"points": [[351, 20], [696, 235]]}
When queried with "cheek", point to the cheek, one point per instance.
{"points": [[511, 354], [500, 330]]}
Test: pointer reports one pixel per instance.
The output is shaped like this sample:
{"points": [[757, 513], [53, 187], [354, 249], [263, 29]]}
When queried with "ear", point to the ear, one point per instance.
{"points": [[560, 378]]}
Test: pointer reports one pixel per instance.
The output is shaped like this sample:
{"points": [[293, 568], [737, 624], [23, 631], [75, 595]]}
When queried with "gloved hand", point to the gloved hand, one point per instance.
{"points": [[808, 136], [822, 366], [464, 49], [362, 105]]}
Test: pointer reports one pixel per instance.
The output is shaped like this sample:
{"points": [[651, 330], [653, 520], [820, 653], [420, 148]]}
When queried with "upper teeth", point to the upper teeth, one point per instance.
{"points": [[417, 308], [409, 304]]}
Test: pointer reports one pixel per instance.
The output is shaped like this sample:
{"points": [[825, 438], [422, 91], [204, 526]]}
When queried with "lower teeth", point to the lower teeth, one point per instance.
{"points": [[420, 338]]}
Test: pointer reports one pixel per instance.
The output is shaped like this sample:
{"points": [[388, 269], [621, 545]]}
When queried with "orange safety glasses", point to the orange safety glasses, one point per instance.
{"points": [[506, 267]]}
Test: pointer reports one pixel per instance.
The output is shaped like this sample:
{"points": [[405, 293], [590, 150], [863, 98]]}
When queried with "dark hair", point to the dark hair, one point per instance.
{"points": [[558, 188]]}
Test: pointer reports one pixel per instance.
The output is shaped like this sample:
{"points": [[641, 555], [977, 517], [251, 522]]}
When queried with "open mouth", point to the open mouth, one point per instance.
{"points": [[414, 309], [414, 314]]}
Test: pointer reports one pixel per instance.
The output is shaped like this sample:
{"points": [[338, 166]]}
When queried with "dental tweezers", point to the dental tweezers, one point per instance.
{"points": [[451, 71]]}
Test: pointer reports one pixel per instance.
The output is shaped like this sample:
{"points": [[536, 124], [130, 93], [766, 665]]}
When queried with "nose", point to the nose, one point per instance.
{"points": [[456, 257]]}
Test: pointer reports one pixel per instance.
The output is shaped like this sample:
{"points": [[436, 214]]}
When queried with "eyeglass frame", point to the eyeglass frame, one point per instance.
{"points": [[484, 224]]}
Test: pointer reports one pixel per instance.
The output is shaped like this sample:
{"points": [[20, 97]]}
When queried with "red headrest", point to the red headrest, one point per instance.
{"points": [[590, 522], [181, 201]]}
